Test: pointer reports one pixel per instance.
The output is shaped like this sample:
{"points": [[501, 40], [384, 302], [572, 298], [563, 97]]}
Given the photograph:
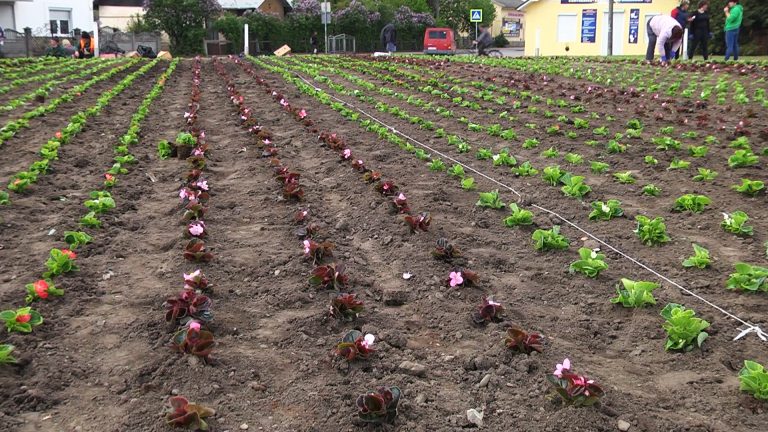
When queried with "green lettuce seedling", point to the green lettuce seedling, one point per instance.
{"points": [[590, 264], [598, 167], [484, 154], [544, 240], [164, 150], [652, 232], [606, 210], [525, 170], [741, 143], [457, 171], [705, 175], [692, 203], [624, 177], [468, 183], [677, 164], [735, 223], [518, 217], [753, 379], [490, 199], [749, 278], [749, 187], [650, 160], [504, 159], [550, 153], [635, 294], [683, 328], [742, 158], [436, 165], [698, 151], [574, 158], [552, 174], [700, 258], [574, 186]]}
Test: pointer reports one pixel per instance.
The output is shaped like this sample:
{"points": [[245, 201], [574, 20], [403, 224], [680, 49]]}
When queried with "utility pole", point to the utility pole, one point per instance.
{"points": [[610, 28]]}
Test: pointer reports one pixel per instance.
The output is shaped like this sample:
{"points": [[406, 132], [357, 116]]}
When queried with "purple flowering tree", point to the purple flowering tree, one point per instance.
{"points": [[183, 21], [306, 7]]}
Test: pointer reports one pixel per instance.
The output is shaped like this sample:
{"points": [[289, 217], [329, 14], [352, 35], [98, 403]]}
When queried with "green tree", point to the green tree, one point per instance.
{"points": [[754, 28], [183, 21], [455, 13]]}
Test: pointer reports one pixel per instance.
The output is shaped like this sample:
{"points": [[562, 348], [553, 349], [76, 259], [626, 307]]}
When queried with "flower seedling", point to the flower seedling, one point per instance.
{"points": [[196, 251], [606, 210], [591, 263], [598, 167], [735, 223], [651, 190], [192, 340], [525, 170], [5, 354], [753, 379], [60, 261], [196, 281], [700, 258], [418, 222], [683, 328], [749, 187], [42, 289], [445, 251], [490, 199], [749, 278], [21, 320], [386, 188], [21, 181], [400, 204], [576, 390], [196, 229], [635, 294], [705, 175], [330, 276], [742, 158], [76, 239], [317, 251], [462, 278], [692, 203], [188, 305], [552, 174], [354, 345], [186, 414], [550, 239], [292, 191], [346, 307], [523, 342], [652, 232], [624, 177], [518, 217], [574, 186], [371, 176], [489, 311], [380, 406]]}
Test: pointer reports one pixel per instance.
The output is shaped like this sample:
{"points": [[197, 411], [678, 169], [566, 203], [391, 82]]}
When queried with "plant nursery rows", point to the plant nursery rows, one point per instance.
{"points": [[340, 243]]}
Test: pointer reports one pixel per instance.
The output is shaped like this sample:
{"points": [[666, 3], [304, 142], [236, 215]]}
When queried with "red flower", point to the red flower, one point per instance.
{"points": [[21, 319], [58, 135], [109, 177], [41, 288], [69, 253]]}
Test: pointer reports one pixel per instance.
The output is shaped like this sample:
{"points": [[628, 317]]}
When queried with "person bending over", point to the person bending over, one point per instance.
{"points": [[665, 35]]}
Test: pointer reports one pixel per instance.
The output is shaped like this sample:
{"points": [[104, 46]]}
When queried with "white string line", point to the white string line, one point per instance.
{"points": [[751, 328]]}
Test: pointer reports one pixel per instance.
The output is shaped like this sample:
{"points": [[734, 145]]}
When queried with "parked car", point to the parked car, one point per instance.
{"points": [[439, 41]]}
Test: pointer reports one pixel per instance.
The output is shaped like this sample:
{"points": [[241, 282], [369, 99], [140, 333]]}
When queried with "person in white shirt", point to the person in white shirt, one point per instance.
{"points": [[665, 35]]}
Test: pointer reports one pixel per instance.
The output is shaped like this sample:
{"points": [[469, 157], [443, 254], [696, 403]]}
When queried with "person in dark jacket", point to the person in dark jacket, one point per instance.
{"points": [[86, 49], [315, 42], [700, 30], [682, 16], [388, 37], [483, 41], [54, 49]]}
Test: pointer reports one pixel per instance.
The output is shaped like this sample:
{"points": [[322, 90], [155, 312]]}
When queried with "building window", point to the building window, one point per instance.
{"points": [[60, 21], [567, 28]]}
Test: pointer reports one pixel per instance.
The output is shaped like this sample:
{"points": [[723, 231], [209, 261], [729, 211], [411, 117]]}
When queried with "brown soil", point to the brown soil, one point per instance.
{"points": [[100, 360]]}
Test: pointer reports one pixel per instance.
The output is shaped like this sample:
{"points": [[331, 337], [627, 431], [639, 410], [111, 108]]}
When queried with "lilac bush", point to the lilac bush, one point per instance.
{"points": [[405, 17]]}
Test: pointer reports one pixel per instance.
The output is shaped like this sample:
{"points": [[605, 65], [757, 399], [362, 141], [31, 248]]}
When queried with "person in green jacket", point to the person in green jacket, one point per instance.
{"points": [[55, 50], [734, 13]]}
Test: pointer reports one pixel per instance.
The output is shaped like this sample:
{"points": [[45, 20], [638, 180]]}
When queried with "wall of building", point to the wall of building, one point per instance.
{"points": [[37, 14], [553, 28], [118, 16], [509, 21], [274, 7]]}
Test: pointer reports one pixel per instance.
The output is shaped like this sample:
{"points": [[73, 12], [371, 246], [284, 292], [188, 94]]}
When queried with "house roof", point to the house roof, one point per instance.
{"points": [[131, 3], [249, 4], [509, 3], [527, 2]]}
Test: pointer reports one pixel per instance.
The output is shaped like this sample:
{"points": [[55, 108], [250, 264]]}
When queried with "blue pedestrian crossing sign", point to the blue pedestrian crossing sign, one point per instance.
{"points": [[476, 15]]}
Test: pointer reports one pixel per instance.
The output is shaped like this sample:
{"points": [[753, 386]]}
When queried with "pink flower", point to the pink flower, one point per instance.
{"points": [[302, 114], [367, 342], [267, 142], [69, 253], [194, 325], [184, 193], [197, 228], [190, 278], [202, 135], [187, 115], [283, 102], [492, 303], [562, 367], [202, 184], [456, 279], [306, 247], [198, 152], [401, 197], [346, 154], [41, 288], [21, 319]]}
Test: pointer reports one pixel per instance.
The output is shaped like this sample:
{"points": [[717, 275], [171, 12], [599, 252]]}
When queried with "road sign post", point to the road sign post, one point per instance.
{"points": [[476, 16], [325, 9]]}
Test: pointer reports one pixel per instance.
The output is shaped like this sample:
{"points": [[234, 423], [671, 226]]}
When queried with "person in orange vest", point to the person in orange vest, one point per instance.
{"points": [[86, 49]]}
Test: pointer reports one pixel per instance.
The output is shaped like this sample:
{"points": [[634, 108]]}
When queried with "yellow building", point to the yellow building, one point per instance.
{"points": [[580, 27], [509, 21]]}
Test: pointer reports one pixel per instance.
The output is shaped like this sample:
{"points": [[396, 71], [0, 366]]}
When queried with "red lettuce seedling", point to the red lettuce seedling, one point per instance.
{"points": [[188, 304], [346, 307], [196, 162], [574, 389], [193, 175], [445, 251], [358, 165], [418, 222], [329, 276], [186, 414], [192, 340], [307, 232], [195, 251], [293, 191], [42, 289], [372, 176], [196, 281], [386, 188], [354, 345], [285, 177], [489, 311], [345, 154], [400, 204], [379, 406], [269, 152], [194, 210], [521, 341], [333, 141], [462, 278], [317, 251], [300, 216]]}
